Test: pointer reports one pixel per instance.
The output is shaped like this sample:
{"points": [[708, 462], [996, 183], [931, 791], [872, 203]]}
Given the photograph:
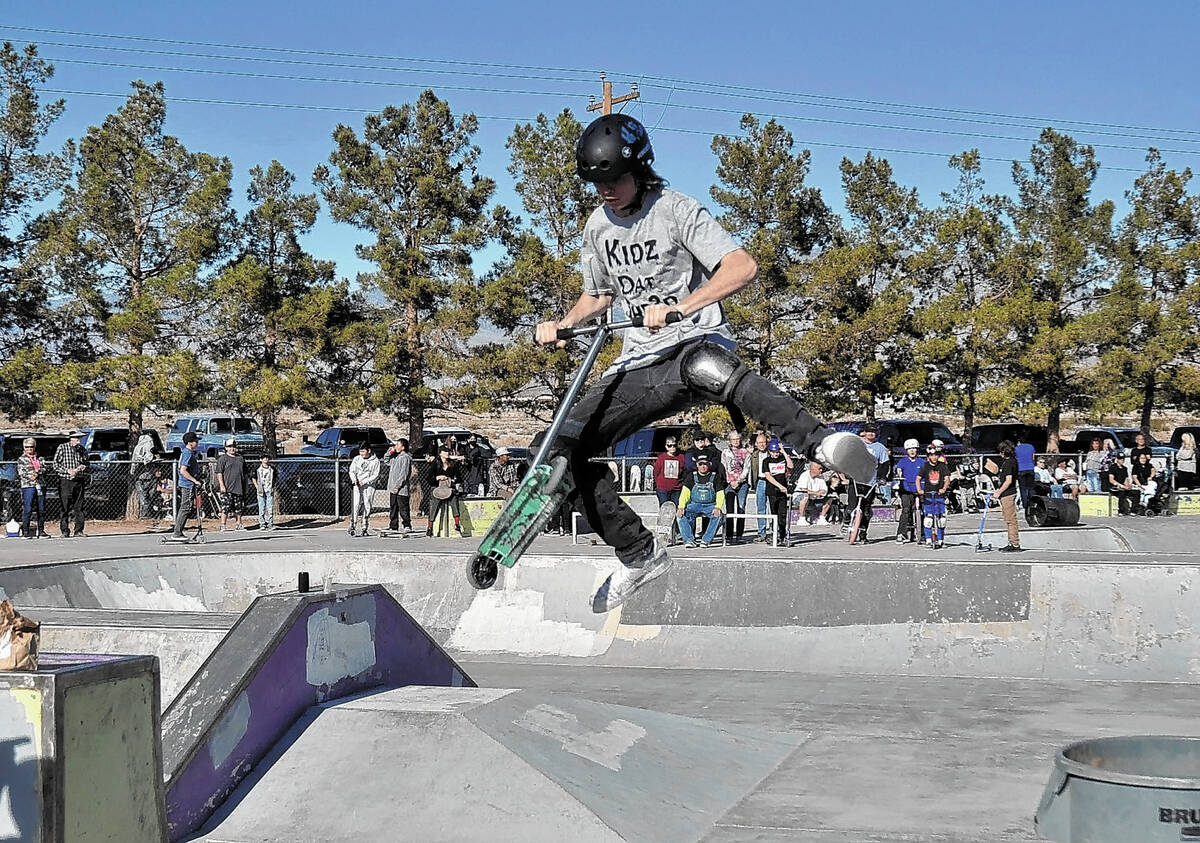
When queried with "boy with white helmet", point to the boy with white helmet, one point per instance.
{"points": [[906, 472]]}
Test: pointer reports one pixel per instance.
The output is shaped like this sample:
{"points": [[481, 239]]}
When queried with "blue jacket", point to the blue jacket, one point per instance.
{"points": [[909, 467]]}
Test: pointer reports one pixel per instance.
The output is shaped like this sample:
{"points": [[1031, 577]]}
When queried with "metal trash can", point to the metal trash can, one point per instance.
{"points": [[1138, 789]]}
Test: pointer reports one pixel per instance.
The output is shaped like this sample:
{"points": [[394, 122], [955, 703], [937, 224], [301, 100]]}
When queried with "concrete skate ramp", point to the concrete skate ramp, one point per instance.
{"points": [[824, 608], [287, 652], [509, 765]]}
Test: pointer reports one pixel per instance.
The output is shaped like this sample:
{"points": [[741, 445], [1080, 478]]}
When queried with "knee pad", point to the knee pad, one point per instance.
{"points": [[928, 522], [941, 522], [712, 369]]}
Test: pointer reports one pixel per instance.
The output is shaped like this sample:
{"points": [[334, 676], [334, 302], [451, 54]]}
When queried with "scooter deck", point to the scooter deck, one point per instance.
{"points": [[519, 522]]}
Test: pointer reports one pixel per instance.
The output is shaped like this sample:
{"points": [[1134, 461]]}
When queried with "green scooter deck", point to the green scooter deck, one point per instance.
{"points": [[519, 522]]}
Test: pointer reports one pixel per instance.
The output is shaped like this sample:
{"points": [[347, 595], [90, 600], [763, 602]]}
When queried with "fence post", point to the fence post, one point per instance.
{"points": [[337, 488], [174, 490], [624, 474]]}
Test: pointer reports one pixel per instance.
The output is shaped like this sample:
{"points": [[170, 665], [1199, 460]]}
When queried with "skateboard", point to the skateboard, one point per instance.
{"points": [[547, 484], [666, 523]]}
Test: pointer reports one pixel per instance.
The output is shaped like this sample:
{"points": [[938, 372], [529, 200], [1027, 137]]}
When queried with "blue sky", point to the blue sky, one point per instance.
{"points": [[836, 75]]}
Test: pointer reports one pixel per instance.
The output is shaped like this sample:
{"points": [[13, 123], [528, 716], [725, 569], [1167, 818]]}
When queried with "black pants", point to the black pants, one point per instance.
{"points": [[398, 511], [1128, 500], [625, 402], [1025, 480], [734, 528], [443, 508], [855, 491], [778, 506], [908, 510], [70, 494]]}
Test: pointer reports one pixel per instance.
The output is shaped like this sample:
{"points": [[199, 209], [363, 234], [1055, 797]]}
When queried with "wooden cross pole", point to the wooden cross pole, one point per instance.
{"points": [[605, 106]]}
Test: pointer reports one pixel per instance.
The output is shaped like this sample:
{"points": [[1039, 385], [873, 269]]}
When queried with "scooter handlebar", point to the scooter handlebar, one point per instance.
{"points": [[636, 322]]}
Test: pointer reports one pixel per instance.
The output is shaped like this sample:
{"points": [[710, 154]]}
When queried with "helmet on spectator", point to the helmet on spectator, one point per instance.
{"points": [[911, 445], [932, 449], [939, 444], [774, 444]]}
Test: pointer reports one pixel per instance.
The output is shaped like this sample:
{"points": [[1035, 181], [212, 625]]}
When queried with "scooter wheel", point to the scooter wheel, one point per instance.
{"points": [[482, 571]]}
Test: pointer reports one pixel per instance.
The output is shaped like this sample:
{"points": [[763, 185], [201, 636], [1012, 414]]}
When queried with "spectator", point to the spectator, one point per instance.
{"points": [[31, 471], [163, 494], [757, 482], [1043, 480], [775, 470], [1144, 480], [668, 473], [703, 444], [812, 490], [702, 495], [932, 482], [906, 471], [882, 460], [1093, 465], [266, 478], [141, 469], [399, 467], [1185, 463], [736, 463], [189, 479], [1066, 479], [446, 478], [503, 475], [474, 464], [1006, 492], [1120, 484], [71, 466], [1139, 447], [364, 474], [231, 480], [1025, 471], [1110, 450]]}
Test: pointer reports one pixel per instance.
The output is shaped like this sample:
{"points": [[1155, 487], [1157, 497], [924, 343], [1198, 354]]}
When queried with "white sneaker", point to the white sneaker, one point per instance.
{"points": [[622, 583]]}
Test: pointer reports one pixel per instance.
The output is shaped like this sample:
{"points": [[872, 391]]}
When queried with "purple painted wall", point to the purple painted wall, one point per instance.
{"points": [[279, 693]]}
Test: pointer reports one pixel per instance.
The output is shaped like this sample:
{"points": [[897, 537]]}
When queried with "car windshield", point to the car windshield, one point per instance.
{"points": [[238, 425], [1129, 438], [110, 440]]}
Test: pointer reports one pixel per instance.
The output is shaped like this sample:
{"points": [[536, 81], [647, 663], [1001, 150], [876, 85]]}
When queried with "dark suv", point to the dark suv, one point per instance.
{"points": [[343, 442], [986, 437], [893, 432], [110, 479]]}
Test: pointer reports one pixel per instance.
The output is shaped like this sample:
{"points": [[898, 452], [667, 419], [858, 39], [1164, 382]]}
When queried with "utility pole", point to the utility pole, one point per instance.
{"points": [[606, 104]]}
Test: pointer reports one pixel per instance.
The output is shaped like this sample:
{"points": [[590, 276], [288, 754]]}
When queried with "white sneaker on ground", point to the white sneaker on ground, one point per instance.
{"points": [[623, 582]]}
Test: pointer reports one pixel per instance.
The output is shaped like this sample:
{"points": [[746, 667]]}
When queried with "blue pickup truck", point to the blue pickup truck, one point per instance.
{"points": [[214, 429]]}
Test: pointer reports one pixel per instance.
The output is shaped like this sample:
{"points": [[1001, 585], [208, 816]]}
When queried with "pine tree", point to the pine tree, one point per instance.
{"points": [[1143, 328], [275, 311], [411, 181], [780, 221], [973, 295], [860, 344], [140, 220], [1069, 237], [538, 278], [30, 341]]}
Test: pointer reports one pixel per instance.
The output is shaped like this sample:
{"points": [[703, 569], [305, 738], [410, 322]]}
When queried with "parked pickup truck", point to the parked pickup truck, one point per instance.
{"points": [[342, 442], [213, 429]]}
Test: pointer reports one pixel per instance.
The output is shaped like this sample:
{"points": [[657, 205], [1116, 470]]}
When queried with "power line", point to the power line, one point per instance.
{"points": [[715, 87], [671, 129], [565, 94], [791, 99]]}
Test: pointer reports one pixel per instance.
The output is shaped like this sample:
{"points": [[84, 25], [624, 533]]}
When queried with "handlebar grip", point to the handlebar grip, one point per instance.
{"points": [[634, 322]]}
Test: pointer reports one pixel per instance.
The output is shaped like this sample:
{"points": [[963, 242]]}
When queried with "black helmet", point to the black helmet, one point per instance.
{"points": [[612, 146]]}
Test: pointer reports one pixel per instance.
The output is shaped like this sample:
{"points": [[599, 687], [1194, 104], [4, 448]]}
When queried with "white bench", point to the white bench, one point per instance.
{"points": [[757, 516]]}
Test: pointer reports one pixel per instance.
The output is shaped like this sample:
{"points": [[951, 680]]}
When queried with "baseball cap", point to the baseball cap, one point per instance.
{"points": [[702, 458], [75, 433], [501, 451], [191, 436], [773, 445], [870, 428], [1118, 454], [229, 443]]}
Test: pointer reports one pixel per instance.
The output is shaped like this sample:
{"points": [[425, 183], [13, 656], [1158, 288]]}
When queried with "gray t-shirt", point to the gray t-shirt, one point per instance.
{"points": [[657, 256]]}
